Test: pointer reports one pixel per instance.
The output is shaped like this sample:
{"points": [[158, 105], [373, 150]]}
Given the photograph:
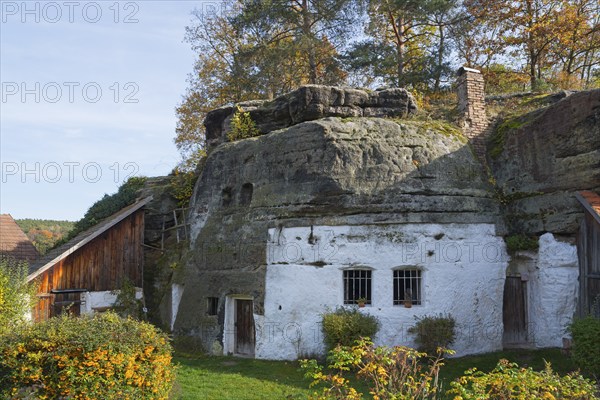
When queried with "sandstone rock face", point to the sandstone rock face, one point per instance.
{"points": [[331, 171], [555, 153], [309, 103]]}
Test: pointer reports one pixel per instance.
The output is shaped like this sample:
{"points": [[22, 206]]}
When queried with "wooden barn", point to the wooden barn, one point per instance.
{"points": [[14, 244], [81, 274], [588, 250]]}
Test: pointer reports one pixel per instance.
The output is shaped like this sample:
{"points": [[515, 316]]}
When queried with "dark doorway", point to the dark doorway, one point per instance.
{"points": [[515, 312], [246, 194], [244, 328]]}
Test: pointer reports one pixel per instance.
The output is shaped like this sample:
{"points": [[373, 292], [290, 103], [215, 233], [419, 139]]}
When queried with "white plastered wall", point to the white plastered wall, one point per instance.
{"points": [[463, 272], [553, 295], [102, 300]]}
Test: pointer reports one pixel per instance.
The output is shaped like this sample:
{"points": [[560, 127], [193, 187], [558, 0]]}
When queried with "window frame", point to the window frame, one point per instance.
{"points": [[416, 298], [349, 297]]}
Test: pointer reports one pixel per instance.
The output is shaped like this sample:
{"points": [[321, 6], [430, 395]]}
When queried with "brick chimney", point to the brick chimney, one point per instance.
{"points": [[471, 108]]}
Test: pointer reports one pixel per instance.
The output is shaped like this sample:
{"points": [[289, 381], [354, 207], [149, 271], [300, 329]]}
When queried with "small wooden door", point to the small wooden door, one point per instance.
{"points": [[515, 311], [244, 327]]}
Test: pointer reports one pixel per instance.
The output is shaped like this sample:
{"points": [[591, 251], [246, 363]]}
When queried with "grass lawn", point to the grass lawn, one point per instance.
{"points": [[212, 378], [228, 378]]}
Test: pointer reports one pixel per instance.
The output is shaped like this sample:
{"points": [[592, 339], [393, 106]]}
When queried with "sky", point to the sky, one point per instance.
{"points": [[89, 90]]}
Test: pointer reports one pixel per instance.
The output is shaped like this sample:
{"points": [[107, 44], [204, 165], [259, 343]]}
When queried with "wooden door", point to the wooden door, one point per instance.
{"points": [[515, 311], [244, 327]]}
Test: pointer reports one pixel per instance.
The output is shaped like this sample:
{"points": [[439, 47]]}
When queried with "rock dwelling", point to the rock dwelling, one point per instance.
{"points": [[342, 197]]}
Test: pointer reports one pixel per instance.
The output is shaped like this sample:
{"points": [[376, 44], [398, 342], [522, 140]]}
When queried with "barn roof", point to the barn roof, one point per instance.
{"points": [[13, 241], [591, 202], [61, 252]]}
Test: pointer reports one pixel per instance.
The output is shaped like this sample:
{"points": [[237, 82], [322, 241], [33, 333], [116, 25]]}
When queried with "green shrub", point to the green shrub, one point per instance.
{"points": [[434, 333], [100, 357], [17, 296], [242, 126], [126, 303], [391, 373], [346, 325], [182, 185], [508, 381], [521, 242], [586, 344]]}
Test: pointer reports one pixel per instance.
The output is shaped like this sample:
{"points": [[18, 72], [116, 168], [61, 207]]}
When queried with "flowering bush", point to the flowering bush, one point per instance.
{"points": [[508, 381], [396, 373], [100, 357]]}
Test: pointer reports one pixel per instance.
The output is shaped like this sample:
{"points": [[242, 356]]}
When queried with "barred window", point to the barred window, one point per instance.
{"points": [[357, 285], [407, 286]]}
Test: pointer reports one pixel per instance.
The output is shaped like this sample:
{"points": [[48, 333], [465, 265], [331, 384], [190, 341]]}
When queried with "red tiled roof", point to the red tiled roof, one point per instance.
{"points": [[13, 241]]}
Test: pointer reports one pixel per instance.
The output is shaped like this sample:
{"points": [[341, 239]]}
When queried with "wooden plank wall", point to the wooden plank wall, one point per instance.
{"points": [[588, 249], [100, 265]]}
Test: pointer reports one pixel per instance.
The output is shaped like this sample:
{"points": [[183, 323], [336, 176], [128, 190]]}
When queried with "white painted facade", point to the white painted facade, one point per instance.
{"points": [[90, 301], [552, 276], [463, 272]]}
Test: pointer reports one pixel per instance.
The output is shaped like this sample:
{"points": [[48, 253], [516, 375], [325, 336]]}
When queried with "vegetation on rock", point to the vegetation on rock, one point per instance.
{"points": [[521, 242], [108, 205], [182, 184], [242, 126]]}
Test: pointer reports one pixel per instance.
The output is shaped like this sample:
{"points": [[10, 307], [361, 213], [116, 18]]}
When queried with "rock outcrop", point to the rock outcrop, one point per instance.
{"points": [[332, 171], [309, 103], [546, 157]]}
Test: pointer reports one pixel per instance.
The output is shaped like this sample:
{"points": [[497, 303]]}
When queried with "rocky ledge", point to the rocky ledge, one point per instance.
{"points": [[546, 157], [309, 103]]}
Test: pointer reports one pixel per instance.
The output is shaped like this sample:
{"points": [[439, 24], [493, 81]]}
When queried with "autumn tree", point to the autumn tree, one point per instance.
{"points": [[538, 35], [309, 31], [258, 50], [408, 43], [221, 75], [577, 48]]}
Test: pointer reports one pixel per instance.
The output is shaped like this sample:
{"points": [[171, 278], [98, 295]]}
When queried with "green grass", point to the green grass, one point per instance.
{"points": [[207, 378]]}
